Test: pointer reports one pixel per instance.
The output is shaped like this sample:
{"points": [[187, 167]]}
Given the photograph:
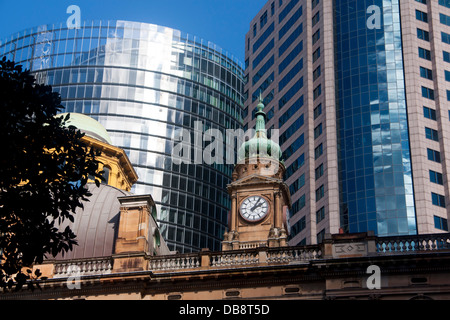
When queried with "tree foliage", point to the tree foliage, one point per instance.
{"points": [[44, 169]]}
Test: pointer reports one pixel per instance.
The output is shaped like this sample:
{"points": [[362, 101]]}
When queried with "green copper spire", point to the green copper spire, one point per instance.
{"points": [[260, 145], [260, 119]]}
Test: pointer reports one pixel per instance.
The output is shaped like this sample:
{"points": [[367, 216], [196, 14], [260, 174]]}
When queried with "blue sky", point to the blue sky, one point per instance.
{"points": [[223, 22]]}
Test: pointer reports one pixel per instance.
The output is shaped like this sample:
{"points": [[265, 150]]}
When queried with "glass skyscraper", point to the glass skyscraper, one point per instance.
{"points": [[374, 153], [360, 91], [146, 83]]}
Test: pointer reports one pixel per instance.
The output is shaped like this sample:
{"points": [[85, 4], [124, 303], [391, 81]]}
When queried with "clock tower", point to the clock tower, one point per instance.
{"points": [[260, 200]]}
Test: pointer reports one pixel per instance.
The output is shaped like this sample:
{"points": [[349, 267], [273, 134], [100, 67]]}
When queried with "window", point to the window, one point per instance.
{"points": [[316, 73], [423, 35], [446, 56], [290, 112], [316, 18], [254, 30], [297, 184], [429, 113], [422, 1], [426, 73], [297, 164], [438, 200], [317, 92], [317, 111], [298, 205], [287, 9], [434, 155], [318, 151], [316, 37], [440, 223], [290, 75], [291, 149], [317, 131], [290, 93], [321, 236], [319, 171], [445, 37], [290, 57], [444, 19], [287, 26], [265, 35], [436, 177], [316, 54], [431, 134], [292, 37], [105, 174], [445, 3], [263, 70], [263, 20], [291, 130], [272, 9], [422, 16], [263, 53], [425, 54], [314, 3], [298, 226], [447, 75], [320, 193], [320, 214], [428, 93]]}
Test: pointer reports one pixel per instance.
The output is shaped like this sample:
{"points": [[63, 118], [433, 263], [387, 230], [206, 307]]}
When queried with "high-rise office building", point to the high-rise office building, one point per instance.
{"points": [[360, 92], [146, 83]]}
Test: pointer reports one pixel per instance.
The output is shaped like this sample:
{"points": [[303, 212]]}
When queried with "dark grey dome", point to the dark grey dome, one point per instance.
{"points": [[96, 225]]}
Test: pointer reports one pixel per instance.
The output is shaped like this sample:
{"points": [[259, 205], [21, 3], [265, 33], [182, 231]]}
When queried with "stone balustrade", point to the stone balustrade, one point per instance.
{"points": [[82, 267], [334, 246], [412, 244]]}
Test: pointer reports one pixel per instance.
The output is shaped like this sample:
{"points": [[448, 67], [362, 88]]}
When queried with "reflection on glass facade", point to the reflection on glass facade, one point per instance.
{"points": [[374, 156], [145, 83]]}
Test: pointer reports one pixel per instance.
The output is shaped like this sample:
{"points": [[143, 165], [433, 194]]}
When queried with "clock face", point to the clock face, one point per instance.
{"points": [[254, 208]]}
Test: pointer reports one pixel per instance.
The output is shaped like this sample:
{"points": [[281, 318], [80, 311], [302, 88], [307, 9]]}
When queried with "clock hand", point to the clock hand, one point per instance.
{"points": [[256, 205], [259, 205]]}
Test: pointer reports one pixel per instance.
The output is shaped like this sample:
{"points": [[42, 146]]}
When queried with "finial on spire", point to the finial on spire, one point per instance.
{"points": [[260, 105]]}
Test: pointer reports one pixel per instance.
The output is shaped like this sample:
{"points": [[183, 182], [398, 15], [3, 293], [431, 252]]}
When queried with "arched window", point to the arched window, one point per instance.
{"points": [[106, 171]]}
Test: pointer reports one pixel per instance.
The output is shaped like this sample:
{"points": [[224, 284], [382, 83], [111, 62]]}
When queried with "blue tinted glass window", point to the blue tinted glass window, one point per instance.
{"points": [[291, 130], [287, 9], [263, 53], [263, 70], [445, 37], [297, 164], [424, 54], [290, 75], [291, 149], [436, 177], [434, 155], [440, 223], [429, 113], [291, 56], [263, 37], [438, 200], [290, 93], [445, 3], [293, 36], [428, 93], [423, 35], [426, 73], [431, 134], [422, 16], [290, 23], [290, 112], [446, 56]]}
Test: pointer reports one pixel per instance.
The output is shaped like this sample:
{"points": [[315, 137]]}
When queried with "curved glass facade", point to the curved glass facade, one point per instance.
{"points": [[145, 83], [373, 139]]}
